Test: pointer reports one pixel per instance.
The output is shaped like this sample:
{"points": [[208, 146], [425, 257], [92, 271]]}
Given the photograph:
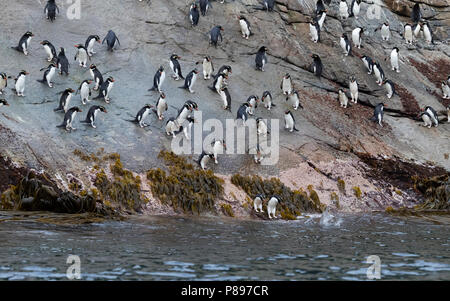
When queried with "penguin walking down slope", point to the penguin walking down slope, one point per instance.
{"points": [[272, 207], [158, 79], [432, 114], [161, 106], [111, 39], [245, 27], [49, 73], [85, 91], [286, 84], [208, 67], [368, 63], [357, 36], [105, 89], [194, 15], [96, 76], [385, 31], [257, 202], [394, 59], [379, 73], [267, 99], [345, 45], [219, 146], [343, 10], [49, 50], [90, 42], [24, 43], [390, 88], [428, 33], [142, 114], [215, 34], [19, 87], [50, 10], [190, 80], [92, 115], [242, 112], [219, 83], [408, 34], [343, 99], [173, 128], [62, 62], [226, 98], [353, 89], [378, 114], [355, 8], [81, 55], [295, 99], [317, 66], [69, 117], [289, 121], [261, 58], [64, 101], [175, 66], [314, 31], [204, 6], [204, 159]]}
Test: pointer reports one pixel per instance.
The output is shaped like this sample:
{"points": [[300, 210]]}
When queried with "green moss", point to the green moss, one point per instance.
{"points": [[334, 196], [357, 192], [341, 185], [399, 192], [227, 210]]}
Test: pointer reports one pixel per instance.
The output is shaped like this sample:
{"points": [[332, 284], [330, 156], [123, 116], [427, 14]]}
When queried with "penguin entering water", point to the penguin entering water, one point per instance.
{"points": [[19, 87], [385, 31], [242, 112], [190, 80], [3, 82], [204, 6], [219, 146], [245, 27], [317, 66], [345, 45], [64, 101], [141, 115], [343, 99], [92, 115], [253, 102], [62, 62], [161, 106], [111, 39], [261, 127], [357, 36], [408, 34], [85, 91], [269, 4], [194, 15], [204, 159], [295, 99], [96, 76], [158, 79], [416, 14], [272, 207], [90, 42], [3, 102], [394, 59], [343, 9], [81, 55], [378, 114], [261, 58], [286, 84], [267, 99], [432, 114], [226, 98], [69, 117], [353, 86], [444, 85], [208, 67], [24, 43], [215, 34], [289, 121], [428, 33], [257, 202], [49, 73], [314, 31], [49, 50], [379, 73], [368, 63], [50, 10], [390, 88], [175, 66], [105, 88]]}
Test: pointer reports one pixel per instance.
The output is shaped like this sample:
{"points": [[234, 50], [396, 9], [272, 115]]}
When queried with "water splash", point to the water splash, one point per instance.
{"points": [[330, 220]]}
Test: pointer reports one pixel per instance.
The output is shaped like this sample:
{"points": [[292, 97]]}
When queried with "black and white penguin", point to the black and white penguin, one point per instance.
{"points": [[161, 106], [105, 89], [378, 114], [204, 6], [218, 146], [289, 121], [92, 115], [225, 69], [319, 7], [215, 34], [175, 66], [261, 58], [355, 8], [345, 45], [259, 199], [190, 80], [385, 31], [444, 85], [368, 63], [81, 55], [158, 79], [343, 9], [390, 88], [269, 4], [261, 127], [253, 102], [64, 101], [416, 29], [357, 36], [85, 91], [204, 159], [272, 207], [49, 50], [343, 99], [3, 102], [19, 87], [183, 113], [219, 83], [62, 62], [188, 128], [49, 73], [242, 113], [226, 98], [194, 15], [408, 33], [208, 67], [314, 31], [416, 14], [433, 115], [96, 76], [142, 114], [427, 122], [90, 42], [427, 32], [111, 39], [50, 10], [24, 43], [69, 117], [353, 87], [317, 66], [394, 59], [3, 82], [173, 128], [320, 18], [267, 99], [379, 73], [295, 99], [245, 27]]}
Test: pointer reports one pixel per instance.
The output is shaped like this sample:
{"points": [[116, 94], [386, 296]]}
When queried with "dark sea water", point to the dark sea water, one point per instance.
{"points": [[211, 248]]}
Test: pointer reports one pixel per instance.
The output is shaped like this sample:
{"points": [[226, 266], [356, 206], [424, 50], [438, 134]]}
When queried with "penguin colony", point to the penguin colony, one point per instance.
{"points": [[182, 123]]}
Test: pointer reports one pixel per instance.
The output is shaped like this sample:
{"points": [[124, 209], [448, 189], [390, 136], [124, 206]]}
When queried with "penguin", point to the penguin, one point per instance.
{"points": [[242, 112], [353, 86], [183, 113], [261, 127], [427, 122], [343, 99], [69, 117], [320, 18], [215, 34], [253, 102], [188, 128], [218, 148], [173, 128], [343, 9], [317, 66], [90, 42], [175, 66], [269, 4], [319, 7], [190, 80], [245, 27], [226, 98], [3, 82], [3, 102], [258, 157], [394, 59], [433, 115], [62, 62], [289, 121], [295, 100], [204, 159], [416, 14], [96, 76], [208, 67], [390, 88], [105, 88], [314, 31], [219, 82], [141, 115], [416, 29], [111, 39], [267, 99], [161, 106], [385, 31], [204, 6], [64, 101], [444, 85], [48, 75], [24, 43], [379, 73], [49, 50], [261, 58], [345, 45], [368, 63], [194, 15], [357, 36], [50, 10], [20, 83], [355, 7], [448, 114], [257, 202], [286, 84], [272, 207], [225, 69], [92, 115], [81, 55], [378, 113], [408, 34], [428, 33], [158, 79], [85, 91]]}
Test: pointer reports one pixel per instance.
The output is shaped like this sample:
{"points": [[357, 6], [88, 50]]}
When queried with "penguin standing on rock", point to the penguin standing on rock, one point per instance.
{"points": [[353, 89], [295, 100], [90, 42], [416, 14], [49, 50], [226, 98], [390, 88], [343, 99], [357, 36], [62, 62], [267, 99], [368, 63], [48, 75], [96, 76], [433, 115], [289, 121], [111, 39], [272, 207], [141, 115], [85, 91], [379, 73], [194, 15], [19, 87], [50, 10], [378, 113], [242, 113], [173, 127], [161, 106], [204, 159], [158, 79], [81, 55], [253, 103], [219, 83], [269, 4], [92, 115], [317, 66], [3, 82], [190, 80], [355, 8], [188, 128], [314, 31], [24, 43], [3, 102], [208, 67], [444, 85], [175, 66], [416, 30], [261, 58], [343, 10], [218, 148], [258, 201], [345, 45], [427, 32], [64, 101], [245, 27], [408, 34], [394, 59], [385, 31], [261, 127], [69, 117], [105, 89], [215, 34], [204, 6]]}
